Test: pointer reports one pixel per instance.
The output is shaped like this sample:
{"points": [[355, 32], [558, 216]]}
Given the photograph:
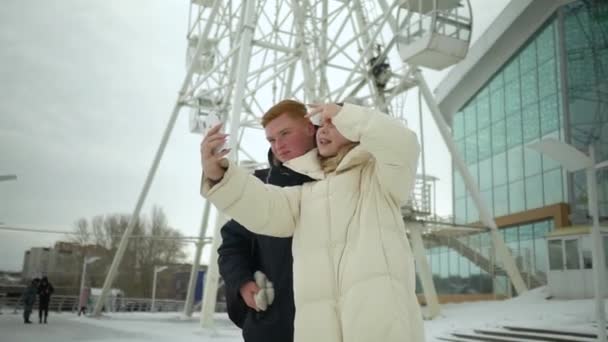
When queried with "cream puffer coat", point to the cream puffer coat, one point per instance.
{"points": [[354, 277]]}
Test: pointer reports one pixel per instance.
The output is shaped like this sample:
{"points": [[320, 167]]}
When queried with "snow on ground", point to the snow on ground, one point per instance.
{"points": [[531, 309]]}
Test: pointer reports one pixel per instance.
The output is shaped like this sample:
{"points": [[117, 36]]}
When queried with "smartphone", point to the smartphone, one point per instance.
{"points": [[211, 121]]}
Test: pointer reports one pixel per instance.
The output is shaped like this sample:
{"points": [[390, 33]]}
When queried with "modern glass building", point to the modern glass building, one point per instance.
{"points": [[540, 71]]}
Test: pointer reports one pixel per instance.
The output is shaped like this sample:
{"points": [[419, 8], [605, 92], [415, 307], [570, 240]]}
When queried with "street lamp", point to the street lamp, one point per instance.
{"points": [[84, 271], [574, 160], [157, 269]]}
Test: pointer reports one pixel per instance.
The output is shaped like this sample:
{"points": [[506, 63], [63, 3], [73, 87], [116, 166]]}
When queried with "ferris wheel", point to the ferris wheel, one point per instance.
{"points": [[244, 56]]}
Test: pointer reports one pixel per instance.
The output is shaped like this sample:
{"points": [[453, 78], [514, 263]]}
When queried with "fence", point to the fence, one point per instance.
{"points": [[60, 303]]}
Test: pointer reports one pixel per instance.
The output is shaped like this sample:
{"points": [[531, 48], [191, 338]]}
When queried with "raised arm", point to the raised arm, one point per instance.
{"points": [[394, 147], [261, 208]]}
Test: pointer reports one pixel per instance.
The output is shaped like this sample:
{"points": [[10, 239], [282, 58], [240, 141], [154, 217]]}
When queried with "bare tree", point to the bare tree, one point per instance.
{"points": [[153, 243], [82, 234]]}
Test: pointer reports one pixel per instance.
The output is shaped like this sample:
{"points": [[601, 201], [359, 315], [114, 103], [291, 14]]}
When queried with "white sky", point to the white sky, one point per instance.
{"points": [[86, 89]]}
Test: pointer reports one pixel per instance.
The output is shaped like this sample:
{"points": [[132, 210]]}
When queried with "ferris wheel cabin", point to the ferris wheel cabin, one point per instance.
{"points": [[434, 33]]}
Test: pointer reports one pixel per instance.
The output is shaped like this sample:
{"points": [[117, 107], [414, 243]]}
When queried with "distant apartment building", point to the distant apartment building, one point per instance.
{"points": [[61, 262]]}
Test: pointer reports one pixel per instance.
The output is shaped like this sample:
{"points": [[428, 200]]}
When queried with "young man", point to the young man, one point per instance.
{"points": [[243, 253]]}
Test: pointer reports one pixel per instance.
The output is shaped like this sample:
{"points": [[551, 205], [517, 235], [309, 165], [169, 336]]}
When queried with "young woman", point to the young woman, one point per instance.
{"points": [[354, 277]]}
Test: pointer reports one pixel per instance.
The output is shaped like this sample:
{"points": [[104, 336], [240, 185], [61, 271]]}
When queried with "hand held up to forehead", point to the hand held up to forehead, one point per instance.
{"points": [[325, 111]]}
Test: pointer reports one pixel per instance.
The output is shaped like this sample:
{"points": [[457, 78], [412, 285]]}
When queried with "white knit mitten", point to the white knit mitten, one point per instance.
{"points": [[265, 296]]}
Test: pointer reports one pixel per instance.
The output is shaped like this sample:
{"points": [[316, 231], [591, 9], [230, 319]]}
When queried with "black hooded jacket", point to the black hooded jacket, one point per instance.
{"points": [[45, 290], [243, 252]]}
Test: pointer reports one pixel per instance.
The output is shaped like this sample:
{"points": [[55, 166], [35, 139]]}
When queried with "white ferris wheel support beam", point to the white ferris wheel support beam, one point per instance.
{"points": [[197, 260], [361, 61], [367, 53], [144, 192], [309, 80], [242, 68], [484, 213]]}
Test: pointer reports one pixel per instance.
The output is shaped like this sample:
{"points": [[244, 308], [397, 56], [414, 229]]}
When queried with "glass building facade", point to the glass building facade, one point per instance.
{"points": [[554, 86], [519, 105]]}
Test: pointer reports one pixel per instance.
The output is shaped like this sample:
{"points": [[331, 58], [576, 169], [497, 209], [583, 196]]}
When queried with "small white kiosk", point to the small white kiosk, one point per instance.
{"points": [[571, 262]]}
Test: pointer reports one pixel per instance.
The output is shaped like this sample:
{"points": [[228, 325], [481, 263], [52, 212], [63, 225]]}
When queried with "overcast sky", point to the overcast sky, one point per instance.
{"points": [[86, 89]]}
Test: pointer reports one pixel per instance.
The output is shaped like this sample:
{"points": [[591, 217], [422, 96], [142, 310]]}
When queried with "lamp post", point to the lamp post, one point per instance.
{"points": [[157, 270], [87, 260], [574, 160]]}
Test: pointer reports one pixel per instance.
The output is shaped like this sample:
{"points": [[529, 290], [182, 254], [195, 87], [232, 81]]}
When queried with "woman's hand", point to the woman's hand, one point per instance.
{"points": [[326, 111], [210, 156]]}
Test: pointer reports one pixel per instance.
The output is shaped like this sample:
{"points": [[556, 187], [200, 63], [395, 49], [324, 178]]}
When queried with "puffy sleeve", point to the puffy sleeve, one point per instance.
{"points": [[261, 208], [393, 146]]}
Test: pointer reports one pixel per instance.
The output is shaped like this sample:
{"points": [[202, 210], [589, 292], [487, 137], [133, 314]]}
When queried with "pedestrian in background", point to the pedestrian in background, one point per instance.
{"points": [[29, 298], [84, 300], [45, 290]]}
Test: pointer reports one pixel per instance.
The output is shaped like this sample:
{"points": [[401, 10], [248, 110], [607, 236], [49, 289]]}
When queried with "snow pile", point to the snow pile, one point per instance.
{"points": [[529, 309]]}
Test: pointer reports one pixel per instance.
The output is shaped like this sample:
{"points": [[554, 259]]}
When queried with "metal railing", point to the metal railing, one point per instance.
{"points": [[60, 303]]}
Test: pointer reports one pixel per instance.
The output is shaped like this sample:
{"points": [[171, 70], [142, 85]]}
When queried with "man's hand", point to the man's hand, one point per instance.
{"points": [[212, 167], [248, 292], [326, 111]]}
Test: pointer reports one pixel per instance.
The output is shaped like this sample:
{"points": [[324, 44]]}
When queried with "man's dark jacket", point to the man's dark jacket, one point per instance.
{"points": [[243, 252]]}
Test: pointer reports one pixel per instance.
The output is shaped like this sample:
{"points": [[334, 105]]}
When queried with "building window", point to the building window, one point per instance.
{"points": [[553, 187], [548, 84], [586, 253], [515, 164], [572, 254], [512, 99], [501, 201], [497, 103], [531, 122], [459, 188], [546, 43], [514, 133], [499, 137], [517, 199], [471, 148], [556, 256], [534, 192], [483, 112], [499, 169], [470, 120], [529, 88], [485, 174], [532, 162], [460, 208], [484, 142], [549, 115]]}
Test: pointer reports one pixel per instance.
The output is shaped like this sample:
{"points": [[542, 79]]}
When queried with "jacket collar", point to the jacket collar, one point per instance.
{"points": [[355, 157], [309, 164]]}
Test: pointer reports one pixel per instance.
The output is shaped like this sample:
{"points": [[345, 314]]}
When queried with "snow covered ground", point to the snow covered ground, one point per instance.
{"points": [[532, 309]]}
